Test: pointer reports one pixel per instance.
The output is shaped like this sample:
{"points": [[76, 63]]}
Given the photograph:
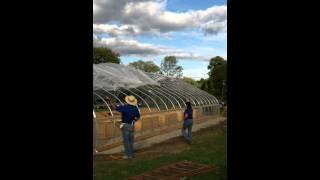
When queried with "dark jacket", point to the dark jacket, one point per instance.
{"points": [[188, 111], [128, 112]]}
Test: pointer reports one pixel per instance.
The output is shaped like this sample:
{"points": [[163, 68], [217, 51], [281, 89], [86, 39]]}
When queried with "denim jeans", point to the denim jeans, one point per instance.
{"points": [[187, 125], [128, 137]]}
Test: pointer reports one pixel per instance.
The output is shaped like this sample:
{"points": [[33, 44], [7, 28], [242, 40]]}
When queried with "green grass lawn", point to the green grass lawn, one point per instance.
{"points": [[208, 147]]}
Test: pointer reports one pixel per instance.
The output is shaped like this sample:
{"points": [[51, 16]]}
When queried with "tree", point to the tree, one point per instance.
{"points": [[203, 84], [169, 67], [104, 55], [217, 82], [147, 66], [190, 81]]}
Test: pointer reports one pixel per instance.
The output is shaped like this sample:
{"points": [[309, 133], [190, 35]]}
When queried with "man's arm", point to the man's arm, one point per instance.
{"points": [[119, 108]]}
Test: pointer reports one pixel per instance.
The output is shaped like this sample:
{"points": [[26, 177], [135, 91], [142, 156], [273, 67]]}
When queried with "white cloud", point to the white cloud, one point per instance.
{"points": [[151, 17], [213, 27], [207, 52], [190, 56], [114, 30], [122, 30], [123, 20], [130, 47]]}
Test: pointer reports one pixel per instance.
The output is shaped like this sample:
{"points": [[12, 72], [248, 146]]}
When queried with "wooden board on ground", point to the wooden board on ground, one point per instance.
{"points": [[174, 171]]}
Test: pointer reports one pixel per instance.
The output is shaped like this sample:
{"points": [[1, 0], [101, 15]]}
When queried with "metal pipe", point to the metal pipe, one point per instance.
{"points": [[149, 97], [159, 98], [104, 102], [174, 107], [113, 96], [173, 86], [162, 90], [145, 102]]}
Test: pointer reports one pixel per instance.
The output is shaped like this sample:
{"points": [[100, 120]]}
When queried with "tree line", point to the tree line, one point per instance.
{"points": [[215, 84]]}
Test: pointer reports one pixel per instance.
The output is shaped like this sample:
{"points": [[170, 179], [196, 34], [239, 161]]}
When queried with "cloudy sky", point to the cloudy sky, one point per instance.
{"points": [[192, 30]]}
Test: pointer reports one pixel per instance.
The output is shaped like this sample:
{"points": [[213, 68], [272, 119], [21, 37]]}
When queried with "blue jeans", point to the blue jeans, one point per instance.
{"points": [[128, 137], [187, 125]]}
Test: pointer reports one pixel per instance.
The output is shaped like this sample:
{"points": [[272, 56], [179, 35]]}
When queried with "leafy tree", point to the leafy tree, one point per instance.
{"points": [[169, 67], [147, 66], [203, 84], [190, 81], [217, 82], [105, 55]]}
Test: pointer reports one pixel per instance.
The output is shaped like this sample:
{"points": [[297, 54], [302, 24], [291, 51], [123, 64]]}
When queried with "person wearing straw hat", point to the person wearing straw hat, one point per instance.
{"points": [[129, 114]]}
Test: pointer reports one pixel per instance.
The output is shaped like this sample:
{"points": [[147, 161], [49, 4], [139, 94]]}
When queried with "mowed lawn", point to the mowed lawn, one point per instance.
{"points": [[209, 147]]}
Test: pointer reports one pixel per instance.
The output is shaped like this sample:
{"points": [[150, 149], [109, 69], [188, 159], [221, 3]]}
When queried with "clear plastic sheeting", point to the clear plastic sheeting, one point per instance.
{"points": [[110, 76], [154, 92], [158, 77]]}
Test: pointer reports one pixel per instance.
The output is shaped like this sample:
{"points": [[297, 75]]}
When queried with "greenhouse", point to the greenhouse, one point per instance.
{"points": [[161, 101]]}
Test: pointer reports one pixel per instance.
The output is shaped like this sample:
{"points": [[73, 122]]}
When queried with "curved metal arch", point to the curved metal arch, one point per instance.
{"points": [[215, 100], [104, 102], [159, 98], [209, 98], [173, 93], [173, 89], [205, 94], [173, 86], [192, 91], [122, 92], [213, 97], [174, 107], [199, 93], [113, 96], [181, 96], [149, 97], [162, 90], [205, 99], [192, 96], [181, 89], [202, 94], [153, 101], [128, 95], [196, 95], [139, 97]]}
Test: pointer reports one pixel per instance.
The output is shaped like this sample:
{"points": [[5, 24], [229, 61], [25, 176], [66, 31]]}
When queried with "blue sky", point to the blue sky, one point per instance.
{"points": [[185, 5], [193, 31]]}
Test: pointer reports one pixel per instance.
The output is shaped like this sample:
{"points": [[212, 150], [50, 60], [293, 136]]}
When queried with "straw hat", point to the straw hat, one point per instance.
{"points": [[131, 100]]}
